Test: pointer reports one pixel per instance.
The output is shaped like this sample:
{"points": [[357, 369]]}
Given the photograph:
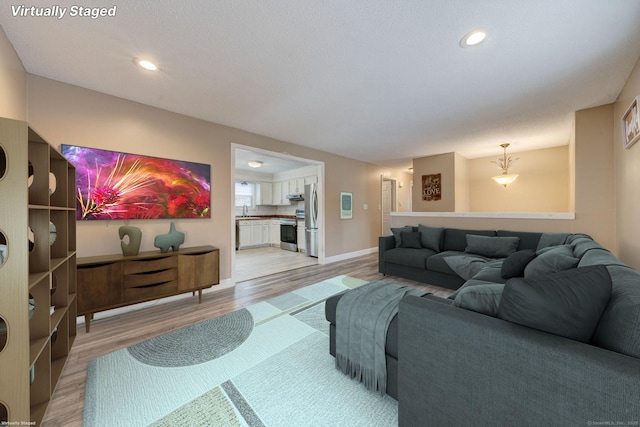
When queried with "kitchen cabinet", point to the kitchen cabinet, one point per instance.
{"points": [[280, 191], [274, 232], [259, 233], [266, 233], [311, 179], [254, 233], [244, 234], [264, 193], [296, 186], [301, 242]]}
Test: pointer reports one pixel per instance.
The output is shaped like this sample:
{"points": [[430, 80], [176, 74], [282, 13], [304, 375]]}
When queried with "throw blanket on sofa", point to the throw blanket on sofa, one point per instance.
{"points": [[363, 316], [466, 266]]}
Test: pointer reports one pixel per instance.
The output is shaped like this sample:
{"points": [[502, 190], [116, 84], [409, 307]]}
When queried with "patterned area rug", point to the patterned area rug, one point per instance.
{"points": [[265, 365]]}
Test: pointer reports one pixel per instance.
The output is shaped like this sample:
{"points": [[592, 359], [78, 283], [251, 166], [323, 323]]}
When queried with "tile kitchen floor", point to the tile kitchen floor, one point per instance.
{"points": [[258, 262]]}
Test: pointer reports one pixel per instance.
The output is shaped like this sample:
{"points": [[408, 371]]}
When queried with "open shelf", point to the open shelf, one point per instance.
{"points": [[38, 283]]}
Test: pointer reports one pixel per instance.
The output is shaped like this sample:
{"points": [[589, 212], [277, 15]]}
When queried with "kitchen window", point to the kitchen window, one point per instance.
{"points": [[244, 192]]}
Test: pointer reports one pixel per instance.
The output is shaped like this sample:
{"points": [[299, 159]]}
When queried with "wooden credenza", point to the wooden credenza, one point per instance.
{"points": [[112, 281]]}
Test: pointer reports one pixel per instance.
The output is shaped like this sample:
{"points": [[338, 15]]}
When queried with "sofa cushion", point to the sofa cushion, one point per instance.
{"points": [[552, 239], [491, 246], [431, 237], [482, 298], [584, 246], [396, 233], [528, 240], [410, 239], [455, 239], [619, 326], [492, 272], [551, 260], [568, 303], [514, 264], [409, 257]]}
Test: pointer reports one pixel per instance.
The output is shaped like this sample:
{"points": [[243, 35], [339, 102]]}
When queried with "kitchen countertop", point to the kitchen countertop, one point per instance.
{"points": [[256, 217]]}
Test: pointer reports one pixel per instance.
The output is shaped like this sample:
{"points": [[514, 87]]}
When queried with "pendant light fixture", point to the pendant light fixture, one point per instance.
{"points": [[504, 163]]}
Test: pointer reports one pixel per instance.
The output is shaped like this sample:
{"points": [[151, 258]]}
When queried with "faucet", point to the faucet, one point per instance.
{"points": [[245, 210]]}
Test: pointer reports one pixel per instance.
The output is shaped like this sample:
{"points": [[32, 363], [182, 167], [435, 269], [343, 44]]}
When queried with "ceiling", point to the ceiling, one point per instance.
{"points": [[381, 81], [270, 163]]}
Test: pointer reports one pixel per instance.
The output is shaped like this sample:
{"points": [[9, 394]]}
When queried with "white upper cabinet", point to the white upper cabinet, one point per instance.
{"points": [[264, 193]]}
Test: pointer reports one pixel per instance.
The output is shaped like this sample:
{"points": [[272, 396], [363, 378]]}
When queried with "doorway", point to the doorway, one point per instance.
{"points": [[388, 203], [259, 246]]}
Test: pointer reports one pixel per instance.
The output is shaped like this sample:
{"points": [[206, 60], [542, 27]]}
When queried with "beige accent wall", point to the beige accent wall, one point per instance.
{"points": [[68, 114], [572, 168], [13, 82], [627, 178], [595, 202], [462, 190], [542, 186], [594, 195], [443, 164], [535, 225]]}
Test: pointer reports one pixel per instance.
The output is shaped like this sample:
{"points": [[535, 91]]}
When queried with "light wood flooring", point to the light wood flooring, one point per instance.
{"points": [[114, 333], [259, 262]]}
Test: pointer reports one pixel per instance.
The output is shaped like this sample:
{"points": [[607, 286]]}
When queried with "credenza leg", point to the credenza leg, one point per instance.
{"points": [[87, 322]]}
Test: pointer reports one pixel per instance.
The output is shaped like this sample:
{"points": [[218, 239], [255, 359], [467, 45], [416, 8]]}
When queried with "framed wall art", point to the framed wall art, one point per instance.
{"points": [[346, 205], [114, 185], [432, 187], [631, 125]]}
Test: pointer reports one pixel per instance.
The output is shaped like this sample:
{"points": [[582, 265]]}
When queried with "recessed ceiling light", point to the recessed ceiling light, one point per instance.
{"points": [[474, 38], [147, 65]]}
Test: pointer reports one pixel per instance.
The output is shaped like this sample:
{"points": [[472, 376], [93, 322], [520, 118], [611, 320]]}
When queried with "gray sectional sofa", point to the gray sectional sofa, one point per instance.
{"points": [[472, 367], [422, 255], [547, 335]]}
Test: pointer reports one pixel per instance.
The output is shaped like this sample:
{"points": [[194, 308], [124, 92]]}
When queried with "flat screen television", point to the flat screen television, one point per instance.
{"points": [[114, 185]]}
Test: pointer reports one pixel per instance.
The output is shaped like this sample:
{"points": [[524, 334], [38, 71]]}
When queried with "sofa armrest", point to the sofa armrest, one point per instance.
{"points": [[458, 367], [384, 243]]}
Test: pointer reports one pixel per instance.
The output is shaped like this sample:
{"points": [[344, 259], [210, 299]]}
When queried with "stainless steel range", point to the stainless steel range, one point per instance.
{"points": [[289, 234]]}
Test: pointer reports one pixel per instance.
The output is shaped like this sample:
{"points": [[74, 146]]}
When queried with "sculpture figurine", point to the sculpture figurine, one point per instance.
{"points": [[173, 239], [135, 237]]}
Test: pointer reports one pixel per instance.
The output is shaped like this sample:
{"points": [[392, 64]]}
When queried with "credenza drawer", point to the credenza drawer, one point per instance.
{"points": [[146, 279], [148, 265], [150, 292]]}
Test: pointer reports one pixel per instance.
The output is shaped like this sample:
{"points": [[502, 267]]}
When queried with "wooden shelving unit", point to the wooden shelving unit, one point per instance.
{"points": [[38, 276]]}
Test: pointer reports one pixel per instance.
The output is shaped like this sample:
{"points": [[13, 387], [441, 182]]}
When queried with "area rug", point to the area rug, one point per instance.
{"points": [[265, 365]]}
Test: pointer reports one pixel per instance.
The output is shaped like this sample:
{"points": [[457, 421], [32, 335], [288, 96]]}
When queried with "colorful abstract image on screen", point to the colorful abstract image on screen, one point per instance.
{"points": [[114, 185]]}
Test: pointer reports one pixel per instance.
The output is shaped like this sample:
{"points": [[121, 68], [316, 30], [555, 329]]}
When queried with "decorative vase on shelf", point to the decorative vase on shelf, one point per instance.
{"points": [[135, 238], [173, 239]]}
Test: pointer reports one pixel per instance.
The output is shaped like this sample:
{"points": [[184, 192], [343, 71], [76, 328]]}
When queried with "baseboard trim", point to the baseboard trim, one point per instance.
{"points": [[349, 255]]}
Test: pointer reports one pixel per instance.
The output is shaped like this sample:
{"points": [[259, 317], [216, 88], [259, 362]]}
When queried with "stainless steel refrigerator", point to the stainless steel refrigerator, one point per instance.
{"points": [[311, 219]]}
